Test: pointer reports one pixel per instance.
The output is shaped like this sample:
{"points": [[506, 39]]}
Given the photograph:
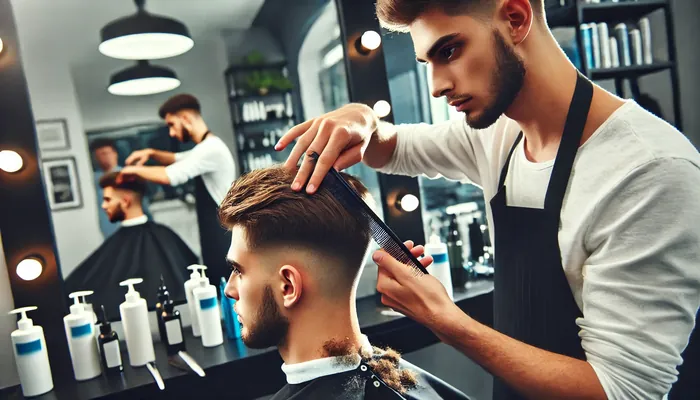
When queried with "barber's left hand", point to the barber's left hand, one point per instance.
{"points": [[420, 297], [126, 174]]}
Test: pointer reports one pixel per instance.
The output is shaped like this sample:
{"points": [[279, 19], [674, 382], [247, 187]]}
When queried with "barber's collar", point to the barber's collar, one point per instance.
{"points": [[135, 221], [314, 369]]}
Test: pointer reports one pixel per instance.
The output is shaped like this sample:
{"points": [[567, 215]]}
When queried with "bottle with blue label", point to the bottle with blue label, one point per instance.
{"points": [[208, 312], [440, 268], [31, 357], [81, 339]]}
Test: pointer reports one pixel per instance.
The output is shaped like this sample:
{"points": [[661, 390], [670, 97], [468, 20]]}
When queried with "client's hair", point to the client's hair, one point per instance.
{"points": [[178, 103], [131, 184], [272, 214]]}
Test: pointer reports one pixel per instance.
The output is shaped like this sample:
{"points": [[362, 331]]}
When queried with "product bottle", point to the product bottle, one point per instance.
{"points": [[162, 296], [81, 339], [190, 285], [137, 332], [174, 338], [208, 312], [440, 268], [456, 256], [88, 306], [31, 357], [109, 346]]}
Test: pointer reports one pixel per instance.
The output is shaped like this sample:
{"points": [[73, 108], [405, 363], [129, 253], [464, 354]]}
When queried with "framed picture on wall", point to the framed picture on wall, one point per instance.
{"points": [[52, 134], [61, 181]]}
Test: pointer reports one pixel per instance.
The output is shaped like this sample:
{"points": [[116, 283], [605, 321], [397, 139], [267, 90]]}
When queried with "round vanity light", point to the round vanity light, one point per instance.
{"points": [[408, 202], [382, 108], [370, 40], [10, 161], [30, 268]]}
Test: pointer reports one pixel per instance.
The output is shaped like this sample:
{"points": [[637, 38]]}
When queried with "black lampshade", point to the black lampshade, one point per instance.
{"points": [[144, 36], [143, 79]]}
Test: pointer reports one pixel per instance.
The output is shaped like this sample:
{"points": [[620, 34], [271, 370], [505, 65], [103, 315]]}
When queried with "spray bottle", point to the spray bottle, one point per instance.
{"points": [[440, 268], [190, 285], [31, 357], [208, 312], [137, 332]]}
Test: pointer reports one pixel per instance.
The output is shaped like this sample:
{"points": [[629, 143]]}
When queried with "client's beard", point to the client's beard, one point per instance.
{"points": [[269, 327], [118, 216]]}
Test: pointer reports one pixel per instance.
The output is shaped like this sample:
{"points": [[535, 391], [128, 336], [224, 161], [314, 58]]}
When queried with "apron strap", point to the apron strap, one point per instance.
{"points": [[570, 140], [504, 170]]}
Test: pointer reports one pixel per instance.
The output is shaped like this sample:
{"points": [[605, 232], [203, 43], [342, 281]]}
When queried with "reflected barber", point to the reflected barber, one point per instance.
{"points": [[597, 286], [209, 163]]}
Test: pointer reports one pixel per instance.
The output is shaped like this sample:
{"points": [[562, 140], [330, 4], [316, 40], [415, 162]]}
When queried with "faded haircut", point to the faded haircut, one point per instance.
{"points": [[132, 184], [398, 15], [272, 214]]}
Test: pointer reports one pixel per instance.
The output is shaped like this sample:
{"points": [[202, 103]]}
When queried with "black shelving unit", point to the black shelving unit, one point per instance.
{"points": [[578, 12], [257, 132]]}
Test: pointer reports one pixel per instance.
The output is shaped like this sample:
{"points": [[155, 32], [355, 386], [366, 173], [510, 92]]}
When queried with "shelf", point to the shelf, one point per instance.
{"points": [[257, 96], [264, 121], [619, 12], [566, 16], [628, 72], [244, 68]]}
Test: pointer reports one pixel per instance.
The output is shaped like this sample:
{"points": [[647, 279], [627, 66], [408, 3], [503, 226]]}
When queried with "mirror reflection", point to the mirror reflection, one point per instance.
{"points": [[140, 144]]}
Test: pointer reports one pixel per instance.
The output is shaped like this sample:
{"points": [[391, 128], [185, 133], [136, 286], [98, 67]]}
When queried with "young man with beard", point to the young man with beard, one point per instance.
{"points": [[596, 282], [140, 248], [296, 261], [209, 163]]}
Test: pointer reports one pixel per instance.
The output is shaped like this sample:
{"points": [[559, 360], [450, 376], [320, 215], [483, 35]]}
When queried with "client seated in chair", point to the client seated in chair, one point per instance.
{"points": [[138, 249], [296, 262]]}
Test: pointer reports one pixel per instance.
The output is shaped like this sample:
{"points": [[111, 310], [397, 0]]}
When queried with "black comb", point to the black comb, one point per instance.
{"points": [[381, 233]]}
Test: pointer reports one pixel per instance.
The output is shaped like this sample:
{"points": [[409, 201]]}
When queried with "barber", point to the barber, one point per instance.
{"points": [[209, 163], [593, 203]]}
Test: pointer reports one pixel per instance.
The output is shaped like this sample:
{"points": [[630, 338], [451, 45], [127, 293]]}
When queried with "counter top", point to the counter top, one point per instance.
{"points": [[234, 369]]}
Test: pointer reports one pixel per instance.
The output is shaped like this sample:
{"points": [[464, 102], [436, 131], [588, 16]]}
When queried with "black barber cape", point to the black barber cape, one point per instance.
{"points": [[361, 384], [140, 251]]}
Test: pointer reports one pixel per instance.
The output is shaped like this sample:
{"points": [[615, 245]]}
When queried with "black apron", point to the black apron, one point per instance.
{"points": [[213, 238], [533, 302]]}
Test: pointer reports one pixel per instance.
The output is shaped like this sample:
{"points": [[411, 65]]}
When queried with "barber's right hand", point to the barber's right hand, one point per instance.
{"points": [[339, 137], [138, 157]]}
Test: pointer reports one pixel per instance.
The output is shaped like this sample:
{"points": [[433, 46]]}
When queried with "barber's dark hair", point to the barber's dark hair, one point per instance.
{"points": [[178, 103], [132, 184], [102, 142], [398, 15]]}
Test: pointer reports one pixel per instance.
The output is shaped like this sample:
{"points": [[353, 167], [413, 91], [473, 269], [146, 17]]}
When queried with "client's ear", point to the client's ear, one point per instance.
{"points": [[290, 285]]}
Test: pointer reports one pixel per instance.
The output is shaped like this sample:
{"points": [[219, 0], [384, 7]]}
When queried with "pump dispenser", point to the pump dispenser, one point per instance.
{"points": [[109, 346], [134, 313], [31, 357], [81, 339], [208, 312], [190, 285], [440, 268], [88, 306]]}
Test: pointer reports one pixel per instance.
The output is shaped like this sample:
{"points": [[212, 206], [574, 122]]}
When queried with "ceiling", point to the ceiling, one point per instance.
{"points": [[77, 23]]}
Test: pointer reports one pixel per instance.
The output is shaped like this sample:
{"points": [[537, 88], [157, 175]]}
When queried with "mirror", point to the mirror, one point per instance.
{"points": [[254, 74]]}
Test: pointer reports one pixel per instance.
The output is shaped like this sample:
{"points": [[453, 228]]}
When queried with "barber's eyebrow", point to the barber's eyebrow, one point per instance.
{"points": [[436, 46]]}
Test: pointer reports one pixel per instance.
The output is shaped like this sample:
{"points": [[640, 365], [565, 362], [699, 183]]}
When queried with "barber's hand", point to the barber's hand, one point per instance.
{"points": [[127, 174], [139, 157], [420, 297], [339, 137]]}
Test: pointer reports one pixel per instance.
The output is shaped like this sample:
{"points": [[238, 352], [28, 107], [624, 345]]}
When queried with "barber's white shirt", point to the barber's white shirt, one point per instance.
{"points": [[212, 160], [629, 235]]}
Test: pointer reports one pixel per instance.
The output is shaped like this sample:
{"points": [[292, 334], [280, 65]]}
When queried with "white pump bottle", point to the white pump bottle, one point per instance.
{"points": [[137, 331], [208, 312], [190, 285], [440, 268], [29, 346], [80, 332]]}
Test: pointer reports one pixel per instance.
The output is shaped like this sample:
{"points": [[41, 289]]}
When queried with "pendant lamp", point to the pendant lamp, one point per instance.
{"points": [[144, 36], [142, 79]]}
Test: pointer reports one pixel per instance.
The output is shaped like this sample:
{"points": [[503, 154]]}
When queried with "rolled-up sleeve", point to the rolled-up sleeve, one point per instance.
{"points": [[641, 288], [448, 149], [200, 160]]}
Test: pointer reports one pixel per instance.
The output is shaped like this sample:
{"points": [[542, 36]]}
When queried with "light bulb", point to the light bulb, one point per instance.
{"points": [[2, 46], [10, 161], [382, 108], [408, 202], [371, 40], [29, 269]]}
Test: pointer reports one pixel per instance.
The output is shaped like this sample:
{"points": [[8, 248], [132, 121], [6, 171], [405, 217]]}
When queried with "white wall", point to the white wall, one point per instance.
{"points": [[8, 371]]}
